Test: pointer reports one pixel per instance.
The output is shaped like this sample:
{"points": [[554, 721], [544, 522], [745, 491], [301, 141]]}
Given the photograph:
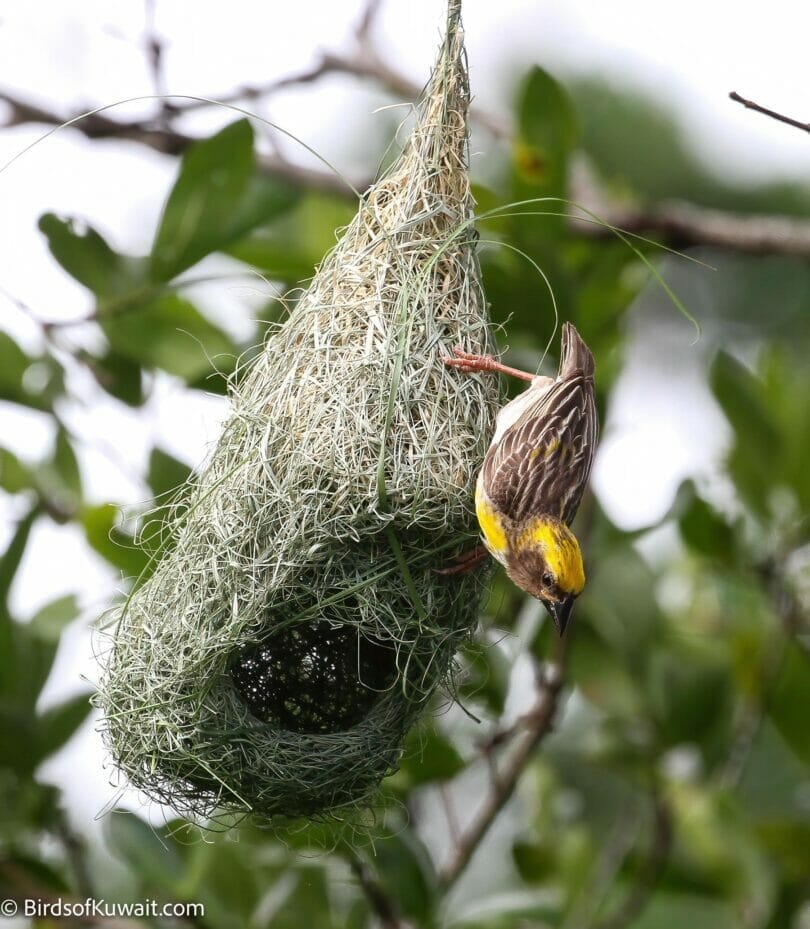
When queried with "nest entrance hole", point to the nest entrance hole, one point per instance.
{"points": [[314, 678]]}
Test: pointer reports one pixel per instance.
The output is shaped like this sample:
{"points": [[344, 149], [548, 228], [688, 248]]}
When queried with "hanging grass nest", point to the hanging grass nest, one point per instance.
{"points": [[278, 654]]}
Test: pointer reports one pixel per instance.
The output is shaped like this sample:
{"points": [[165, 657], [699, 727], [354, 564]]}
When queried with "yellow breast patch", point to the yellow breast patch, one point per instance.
{"points": [[491, 525]]}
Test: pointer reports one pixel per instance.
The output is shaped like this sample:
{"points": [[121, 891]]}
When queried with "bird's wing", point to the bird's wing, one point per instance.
{"points": [[542, 462]]}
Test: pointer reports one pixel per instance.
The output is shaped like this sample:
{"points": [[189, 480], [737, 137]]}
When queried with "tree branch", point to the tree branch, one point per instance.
{"points": [[681, 225], [368, 17], [537, 724], [676, 224], [168, 141], [380, 902], [751, 105], [97, 126], [365, 64]]}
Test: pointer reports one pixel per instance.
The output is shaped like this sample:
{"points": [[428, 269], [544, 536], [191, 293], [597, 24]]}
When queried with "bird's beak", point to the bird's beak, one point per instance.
{"points": [[560, 612]]}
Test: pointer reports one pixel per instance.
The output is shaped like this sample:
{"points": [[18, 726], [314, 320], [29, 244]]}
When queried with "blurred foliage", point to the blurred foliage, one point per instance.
{"points": [[659, 164], [676, 789]]}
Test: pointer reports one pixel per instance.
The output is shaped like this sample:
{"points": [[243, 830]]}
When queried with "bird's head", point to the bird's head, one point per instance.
{"points": [[545, 560]]}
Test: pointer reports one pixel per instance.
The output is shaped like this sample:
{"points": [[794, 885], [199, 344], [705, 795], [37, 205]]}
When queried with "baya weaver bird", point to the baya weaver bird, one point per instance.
{"points": [[533, 476]]}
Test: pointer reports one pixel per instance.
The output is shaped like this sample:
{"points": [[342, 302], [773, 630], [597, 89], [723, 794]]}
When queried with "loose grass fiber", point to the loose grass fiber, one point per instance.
{"points": [[296, 627]]}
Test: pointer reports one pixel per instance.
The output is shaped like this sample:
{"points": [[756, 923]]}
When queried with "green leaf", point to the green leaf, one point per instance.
{"points": [[705, 531], [229, 878], [486, 676], [13, 365], [33, 382], [12, 557], [265, 198], [547, 115], [773, 782], [166, 474], [603, 678], [740, 394], [406, 871], [14, 475], [85, 255], [519, 294], [41, 874], [118, 375], [789, 701], [25, 669], [757, 444], [105, 537], [310, 902], [291, 248], [689, 694], [213, 177], [58, 479], [55, 727], [168, 479], [151, 858], [430, 756], [548, 132], [715, 841], [536, 861], [667, 910], [65, 463], [620, 604], [49, 622], [217, 198], [786, 385], [168, 333], [16, 724]]}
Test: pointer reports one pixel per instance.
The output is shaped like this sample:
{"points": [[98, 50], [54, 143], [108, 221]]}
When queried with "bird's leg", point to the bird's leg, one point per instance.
{"points": [[469, 363], [466, 561]]}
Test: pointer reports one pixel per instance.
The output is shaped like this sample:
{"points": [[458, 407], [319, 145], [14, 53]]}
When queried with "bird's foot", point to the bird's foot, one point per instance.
{"points": [[466, 562], [470, 363]]}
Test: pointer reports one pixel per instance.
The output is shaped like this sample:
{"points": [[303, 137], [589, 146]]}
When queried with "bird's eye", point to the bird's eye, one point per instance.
{"points": [[547, 579]]}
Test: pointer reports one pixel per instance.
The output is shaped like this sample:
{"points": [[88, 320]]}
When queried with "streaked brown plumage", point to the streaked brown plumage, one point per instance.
{"points": [[535, 472], [541, 456]]}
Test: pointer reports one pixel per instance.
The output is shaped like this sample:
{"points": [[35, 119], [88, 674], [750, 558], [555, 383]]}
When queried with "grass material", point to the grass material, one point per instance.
{"points": [[343, 477]]}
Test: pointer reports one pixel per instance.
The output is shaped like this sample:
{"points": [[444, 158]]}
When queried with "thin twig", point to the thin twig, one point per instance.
{"points": [[365, 23], [678, 225], [751, 105], [365, 64], [537, 724], [155, 53], [376, 895], [450, 813]]}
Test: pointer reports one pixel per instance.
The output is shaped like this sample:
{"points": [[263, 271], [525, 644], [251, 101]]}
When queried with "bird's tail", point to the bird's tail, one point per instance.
{"points": [[575, 356]]}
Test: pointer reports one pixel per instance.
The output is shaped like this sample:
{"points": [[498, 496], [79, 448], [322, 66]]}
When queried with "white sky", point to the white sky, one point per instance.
{"points": [[66, 53]]}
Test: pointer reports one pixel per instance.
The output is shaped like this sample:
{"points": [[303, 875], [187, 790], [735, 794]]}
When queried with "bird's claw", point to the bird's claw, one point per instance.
{"points": [[468, 362], [465, 562]]}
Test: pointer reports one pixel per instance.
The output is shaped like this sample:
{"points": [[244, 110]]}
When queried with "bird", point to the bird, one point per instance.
{"points": [[533, 476]]}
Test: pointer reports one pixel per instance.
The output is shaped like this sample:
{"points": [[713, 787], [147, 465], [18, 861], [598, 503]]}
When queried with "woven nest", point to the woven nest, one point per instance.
{"points": [[277, 656]]}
